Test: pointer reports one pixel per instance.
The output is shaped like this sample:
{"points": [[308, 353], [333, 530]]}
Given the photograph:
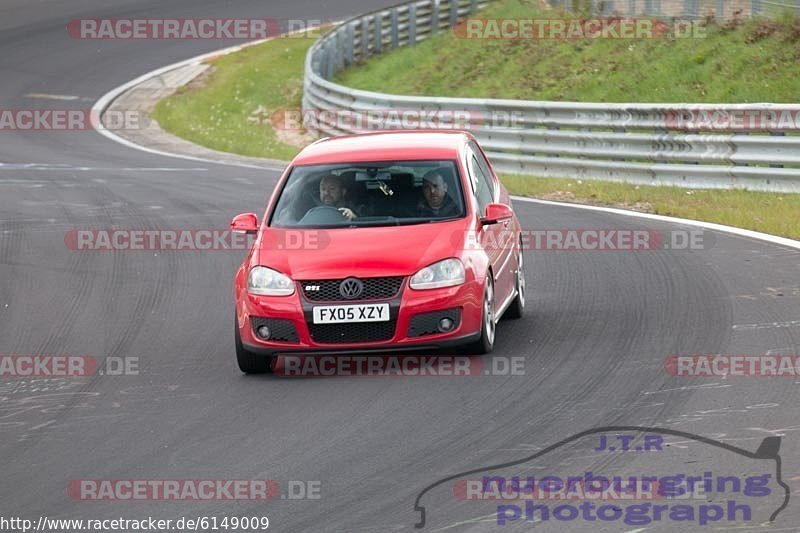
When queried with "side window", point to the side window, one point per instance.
{"points": [[481, 182], [482, 162]]}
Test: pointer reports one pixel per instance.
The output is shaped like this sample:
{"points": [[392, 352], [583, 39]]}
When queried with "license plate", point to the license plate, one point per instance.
{"points": [[342, 314]]}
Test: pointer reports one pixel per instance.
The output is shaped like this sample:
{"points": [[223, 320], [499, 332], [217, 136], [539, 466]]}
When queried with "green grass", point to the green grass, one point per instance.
{"points": [[755, 61], [267, 76], [773, 213]]}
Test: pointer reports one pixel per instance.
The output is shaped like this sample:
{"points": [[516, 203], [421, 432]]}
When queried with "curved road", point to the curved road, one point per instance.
{"points": [[599, 327]]}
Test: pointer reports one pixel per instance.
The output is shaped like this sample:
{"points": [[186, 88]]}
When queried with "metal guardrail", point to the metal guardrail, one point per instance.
{"points": [[690, 145]]}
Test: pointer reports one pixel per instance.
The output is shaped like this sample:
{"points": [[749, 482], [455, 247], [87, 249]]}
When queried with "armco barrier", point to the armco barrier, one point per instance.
{"points": [[638, 143]]}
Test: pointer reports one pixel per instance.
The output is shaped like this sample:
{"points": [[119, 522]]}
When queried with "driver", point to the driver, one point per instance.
{"points": [[332, 192], [435, 202]]}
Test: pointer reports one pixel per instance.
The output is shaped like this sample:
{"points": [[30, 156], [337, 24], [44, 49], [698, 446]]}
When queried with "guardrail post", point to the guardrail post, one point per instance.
{"points": [[412, 24], [434, 17], [777, 134], [745, 164], [350, 45], [395, 37], [378, 48], [337, 51], [618, 130], [631, 7], [473, 6], [720, 9], [454, 12], [314, 64], [553, 128], [755, 6], [330, 68], [364, 39], [341, 52], [318, 63]]}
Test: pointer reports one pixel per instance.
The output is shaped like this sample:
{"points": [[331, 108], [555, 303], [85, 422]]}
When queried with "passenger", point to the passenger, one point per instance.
{"points": [[435, 202]]}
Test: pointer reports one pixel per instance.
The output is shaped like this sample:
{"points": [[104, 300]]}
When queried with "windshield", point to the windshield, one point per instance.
{"points": [[370, 194]]}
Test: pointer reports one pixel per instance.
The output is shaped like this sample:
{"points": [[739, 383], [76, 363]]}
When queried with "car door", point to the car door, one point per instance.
{"points": [[497, 237]]}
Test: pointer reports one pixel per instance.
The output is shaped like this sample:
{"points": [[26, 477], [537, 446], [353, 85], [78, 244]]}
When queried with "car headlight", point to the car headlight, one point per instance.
{"points": [[445, 273], [268, 282]]}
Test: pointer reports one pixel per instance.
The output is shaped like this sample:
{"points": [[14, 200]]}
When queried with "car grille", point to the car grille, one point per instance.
{"points": [[281, 330], [428, 323], [352, 333], [374, 289]]}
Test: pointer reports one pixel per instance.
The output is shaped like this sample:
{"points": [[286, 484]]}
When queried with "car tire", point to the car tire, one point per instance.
{"points": [[249, 362], [485, 343], [517, 307]]}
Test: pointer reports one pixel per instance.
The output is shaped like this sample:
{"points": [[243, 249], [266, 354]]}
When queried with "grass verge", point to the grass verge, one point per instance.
{"points": [[737, 62], [229, 108]]}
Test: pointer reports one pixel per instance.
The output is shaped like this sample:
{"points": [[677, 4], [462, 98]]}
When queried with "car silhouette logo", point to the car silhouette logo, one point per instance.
{"points": [[768, 450], [351, 288]]}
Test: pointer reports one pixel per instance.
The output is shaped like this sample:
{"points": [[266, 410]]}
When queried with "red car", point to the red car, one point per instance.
{"points": [[379, 242]]}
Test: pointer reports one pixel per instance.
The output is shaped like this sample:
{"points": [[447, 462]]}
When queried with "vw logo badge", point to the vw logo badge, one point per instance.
{"points": [[351, 288]]}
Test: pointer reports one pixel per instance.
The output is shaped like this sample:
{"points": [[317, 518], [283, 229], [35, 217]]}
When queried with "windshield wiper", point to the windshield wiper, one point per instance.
{"points": [[388, 221]]}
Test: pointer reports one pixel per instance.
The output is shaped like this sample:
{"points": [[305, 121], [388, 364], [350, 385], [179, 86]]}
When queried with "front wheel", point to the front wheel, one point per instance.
{"points": [[485, 344], [249, 362]]}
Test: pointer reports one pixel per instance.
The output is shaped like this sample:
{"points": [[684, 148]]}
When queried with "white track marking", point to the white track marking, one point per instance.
{"points": [[477, 520], [46, 96], [45, 166], [106, 100], [768, 325]]}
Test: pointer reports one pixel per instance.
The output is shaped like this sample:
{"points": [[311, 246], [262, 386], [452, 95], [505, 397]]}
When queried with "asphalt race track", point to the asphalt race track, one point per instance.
{"points": [[598, 329]]}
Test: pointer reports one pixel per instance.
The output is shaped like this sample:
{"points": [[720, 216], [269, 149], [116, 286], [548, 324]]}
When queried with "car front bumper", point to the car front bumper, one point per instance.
{"points": [[413, 316]]}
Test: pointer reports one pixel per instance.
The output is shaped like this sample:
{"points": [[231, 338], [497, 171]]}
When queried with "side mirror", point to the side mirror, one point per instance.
{"points": [[497, 213], [245, 223]]}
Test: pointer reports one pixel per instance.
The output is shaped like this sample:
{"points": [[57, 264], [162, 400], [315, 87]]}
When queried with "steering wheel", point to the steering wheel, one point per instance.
{"points": [[322, 214]]}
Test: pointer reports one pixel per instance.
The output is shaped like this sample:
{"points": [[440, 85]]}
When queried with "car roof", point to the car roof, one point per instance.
{"points": [[385, 146]]}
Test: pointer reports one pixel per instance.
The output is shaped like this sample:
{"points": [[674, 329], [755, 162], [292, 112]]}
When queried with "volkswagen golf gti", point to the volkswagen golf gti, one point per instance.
{"points": [[379, 242]]}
